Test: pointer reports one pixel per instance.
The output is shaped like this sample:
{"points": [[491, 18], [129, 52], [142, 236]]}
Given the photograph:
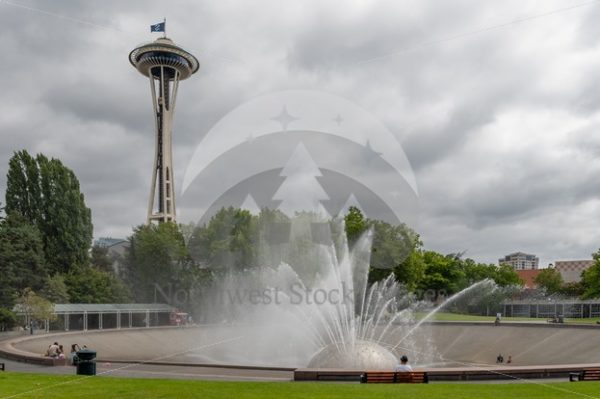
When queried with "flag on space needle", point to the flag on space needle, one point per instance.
{"points": [[159, 27]]}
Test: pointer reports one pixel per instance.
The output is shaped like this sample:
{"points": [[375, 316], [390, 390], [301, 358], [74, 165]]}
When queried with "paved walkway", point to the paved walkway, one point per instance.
{"points": [[132, 370], [11, 365], [155, 371]]}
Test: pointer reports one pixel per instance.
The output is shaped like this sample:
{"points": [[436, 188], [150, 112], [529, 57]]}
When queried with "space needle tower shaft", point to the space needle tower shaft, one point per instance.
{"points": [[165, 64]]}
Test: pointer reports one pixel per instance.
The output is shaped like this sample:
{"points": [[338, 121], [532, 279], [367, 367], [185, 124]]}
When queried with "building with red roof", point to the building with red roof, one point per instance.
{"points": [[528, 277]]}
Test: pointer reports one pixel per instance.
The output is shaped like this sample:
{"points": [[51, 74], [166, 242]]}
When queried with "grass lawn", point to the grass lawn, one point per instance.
{"points": [[589, 320], [21, 385]]}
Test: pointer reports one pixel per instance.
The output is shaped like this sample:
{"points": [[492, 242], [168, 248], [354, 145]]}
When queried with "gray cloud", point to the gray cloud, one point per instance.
{"points": [[499, 125]]}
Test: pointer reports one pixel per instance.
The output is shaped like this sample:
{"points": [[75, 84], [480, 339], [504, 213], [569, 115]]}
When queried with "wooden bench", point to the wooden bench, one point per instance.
{"points": [[394, 377], [585, 375]]}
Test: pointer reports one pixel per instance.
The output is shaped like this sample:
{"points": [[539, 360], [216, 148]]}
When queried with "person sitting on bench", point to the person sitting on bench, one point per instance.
{"points": [[403, 366]]}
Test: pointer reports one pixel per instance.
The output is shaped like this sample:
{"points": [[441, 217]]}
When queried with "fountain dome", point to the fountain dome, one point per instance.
{"points": [[363, 355]]}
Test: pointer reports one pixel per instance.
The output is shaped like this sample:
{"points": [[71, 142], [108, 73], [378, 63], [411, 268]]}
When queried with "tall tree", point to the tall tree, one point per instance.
{"points": [[48, 195], [23, 189], [56, 290], [22, 262]]}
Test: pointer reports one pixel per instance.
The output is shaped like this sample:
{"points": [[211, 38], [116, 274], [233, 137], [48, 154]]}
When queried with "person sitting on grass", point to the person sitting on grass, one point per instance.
{"points": [[403, 366]]}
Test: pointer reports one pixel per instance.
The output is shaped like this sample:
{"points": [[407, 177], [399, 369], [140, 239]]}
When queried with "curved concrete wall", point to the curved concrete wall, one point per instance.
{"points": [[458, 344], [529, 344]]}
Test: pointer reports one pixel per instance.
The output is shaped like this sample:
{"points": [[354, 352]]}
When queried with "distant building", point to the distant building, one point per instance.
{"points": [[107, 242], [117, 248], [528, 277], [571, 270], [520, 261], [547, 308]]}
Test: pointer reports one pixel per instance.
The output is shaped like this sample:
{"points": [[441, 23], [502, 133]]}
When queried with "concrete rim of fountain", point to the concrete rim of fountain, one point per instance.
{"points": [[8, 350]]}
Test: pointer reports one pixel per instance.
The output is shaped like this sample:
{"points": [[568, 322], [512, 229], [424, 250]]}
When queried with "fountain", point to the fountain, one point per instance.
{"points": [[309, 306], [315, 308], [364, 355]]}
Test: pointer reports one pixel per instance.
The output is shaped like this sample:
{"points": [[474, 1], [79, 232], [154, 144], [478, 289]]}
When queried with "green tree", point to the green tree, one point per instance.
{"points": [[8, 319], [55, 289], [22, 262], [34, 307], [396, 249], [506, 276], [273, 228], [475, 272], [89, 285], [23, 190], [306, 230], [549, 279], [157, 256], [573, 289], [47, 194], [590, 279], [412, 270], [443, 274], [356, 224], [100, 259], [227, 242], [187, 230]]}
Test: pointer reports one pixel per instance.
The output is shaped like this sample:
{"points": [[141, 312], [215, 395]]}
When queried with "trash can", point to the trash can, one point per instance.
{"points": [[86, 364]]}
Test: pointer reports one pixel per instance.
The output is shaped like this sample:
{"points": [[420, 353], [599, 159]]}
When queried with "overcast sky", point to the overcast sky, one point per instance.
{"points": [[495, 103]]}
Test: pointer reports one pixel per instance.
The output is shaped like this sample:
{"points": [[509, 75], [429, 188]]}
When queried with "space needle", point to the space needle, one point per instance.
{"points": [[165, 64]]}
